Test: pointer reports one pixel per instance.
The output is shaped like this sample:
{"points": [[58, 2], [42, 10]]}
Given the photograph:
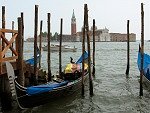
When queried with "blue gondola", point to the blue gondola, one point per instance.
{"points": [[31, 60], [32, 96], [146, 67]]}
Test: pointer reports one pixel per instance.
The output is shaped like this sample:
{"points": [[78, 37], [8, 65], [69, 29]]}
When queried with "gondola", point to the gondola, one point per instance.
{"points": [[31, 60], [28, 97], [146, 67]]}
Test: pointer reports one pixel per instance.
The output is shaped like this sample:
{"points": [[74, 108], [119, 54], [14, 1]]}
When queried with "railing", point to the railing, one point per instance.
{"points": [[8, 45]]}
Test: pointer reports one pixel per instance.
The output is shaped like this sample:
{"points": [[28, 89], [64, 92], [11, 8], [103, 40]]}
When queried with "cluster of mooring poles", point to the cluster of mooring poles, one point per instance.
{"points": [[141, 51], [86, 34], [17, 54], [35, 78]]}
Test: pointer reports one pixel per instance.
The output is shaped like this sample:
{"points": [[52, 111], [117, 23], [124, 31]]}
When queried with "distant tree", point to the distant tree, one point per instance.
{"points": [[55, 36], [44, 34]]}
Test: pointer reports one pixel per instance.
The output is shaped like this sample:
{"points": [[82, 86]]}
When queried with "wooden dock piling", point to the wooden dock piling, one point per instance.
{"points": [[83, 50], [2, 41], [12, 33], [4, 88], [35, 78], [40, 45], [20, 53], [60, 64], [3, 25], [49, 56], [128, 50], [93, 73], [22, 19], [89, 52], [142, 50]]}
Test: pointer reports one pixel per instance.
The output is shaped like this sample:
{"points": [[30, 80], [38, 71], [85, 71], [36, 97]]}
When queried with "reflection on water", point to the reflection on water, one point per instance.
{"points": [[113, 92]]}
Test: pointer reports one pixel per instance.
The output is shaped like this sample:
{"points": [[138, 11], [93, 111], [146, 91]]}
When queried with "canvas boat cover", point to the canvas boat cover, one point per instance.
{"points": [[85, 56], [146, 64], [33, 90]]}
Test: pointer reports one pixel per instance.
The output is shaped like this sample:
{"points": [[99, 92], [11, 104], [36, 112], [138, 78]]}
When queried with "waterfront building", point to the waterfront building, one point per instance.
{"points": [[101, 35], [122, 37]]}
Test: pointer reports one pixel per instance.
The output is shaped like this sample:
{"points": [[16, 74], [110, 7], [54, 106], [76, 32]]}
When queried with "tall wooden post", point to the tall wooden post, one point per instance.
{"points": [[142, 50], [35, 45], [89, 52], [93, 47], [12, 33], [1, 55], [22, 18], [60, 65], [49, 61], [40, 45], [4, 93], [3, 25], [128, 50], [83, 50], [20, 54]]}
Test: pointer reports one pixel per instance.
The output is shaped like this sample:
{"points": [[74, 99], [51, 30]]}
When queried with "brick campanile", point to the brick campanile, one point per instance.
{"points": [[73, 24]]}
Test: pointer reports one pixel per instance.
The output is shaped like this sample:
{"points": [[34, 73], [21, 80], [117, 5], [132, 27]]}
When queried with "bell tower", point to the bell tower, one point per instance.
{"points": [[73, 24]]}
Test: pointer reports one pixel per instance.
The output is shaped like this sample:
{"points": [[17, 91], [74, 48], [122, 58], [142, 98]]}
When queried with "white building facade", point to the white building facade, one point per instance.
{"points": [[101, 35]]}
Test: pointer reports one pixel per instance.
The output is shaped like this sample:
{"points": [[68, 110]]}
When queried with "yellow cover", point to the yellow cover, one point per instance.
{"points": [[71, 68]]}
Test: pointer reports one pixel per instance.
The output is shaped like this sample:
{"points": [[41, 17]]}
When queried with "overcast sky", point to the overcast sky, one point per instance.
{"points": [[112, 14]]}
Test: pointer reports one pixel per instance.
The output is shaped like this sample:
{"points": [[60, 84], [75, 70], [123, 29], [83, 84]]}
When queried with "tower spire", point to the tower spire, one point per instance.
{"points": [[73, 24], [73, 15]]}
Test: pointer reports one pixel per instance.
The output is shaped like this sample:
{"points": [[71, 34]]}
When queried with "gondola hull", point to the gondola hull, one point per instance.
{"points": [[146, 68], [28, 101], [146, 82], [69, 84]]}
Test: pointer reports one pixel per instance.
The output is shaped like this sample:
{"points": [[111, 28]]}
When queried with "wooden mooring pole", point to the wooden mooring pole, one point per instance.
{"points": [[35, 77], [49, 61], [5, 95], [93, 73], [83, 50], [128, 50], [2, 41], [12, 33], [89, 52], [20, 53], [22, 18], [40, 45], [142, 50], [3, 25], [60, 40]]}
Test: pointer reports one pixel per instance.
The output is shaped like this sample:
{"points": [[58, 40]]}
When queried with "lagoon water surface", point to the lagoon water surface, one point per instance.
{"points": [[113, 91]]}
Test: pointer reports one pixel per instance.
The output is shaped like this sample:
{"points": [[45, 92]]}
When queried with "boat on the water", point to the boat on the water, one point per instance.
{"points": [[66, 84], [146, 67], [31, 60], [64, 48]]}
